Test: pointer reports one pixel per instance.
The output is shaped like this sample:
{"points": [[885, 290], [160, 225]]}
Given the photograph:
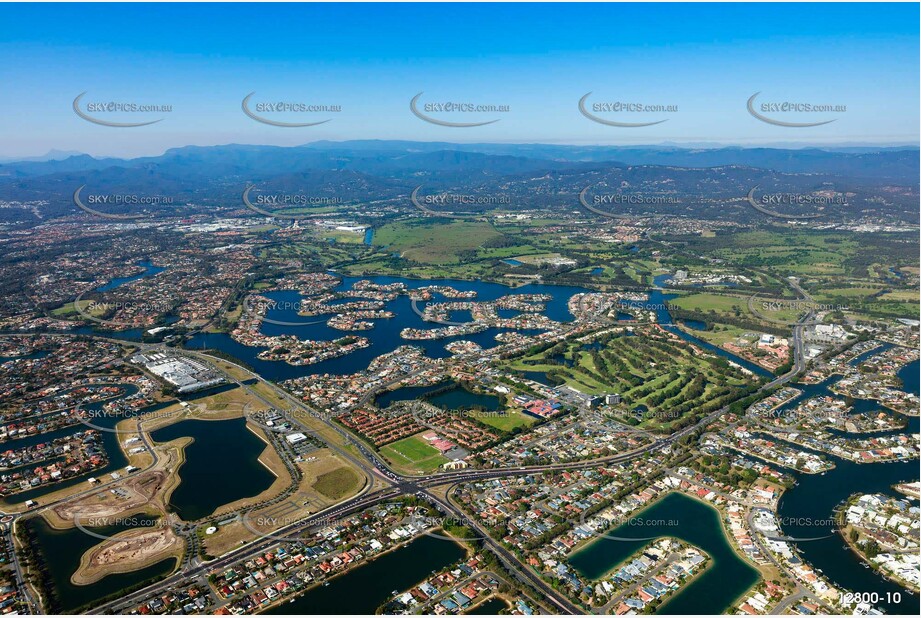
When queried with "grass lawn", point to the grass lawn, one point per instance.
{"points": [[510, 419], [575, 379], [503, 252], [716, 302], [901, 296], [413, 453], [723, 304], [433, 243], [337, 483], [66, 310], [651, 369], [855, 292], [89, 307], [343, 236], [720, 334]]}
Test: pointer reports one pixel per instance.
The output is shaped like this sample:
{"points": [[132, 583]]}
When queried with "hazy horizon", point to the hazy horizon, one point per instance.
{"points": [[63, 154]]}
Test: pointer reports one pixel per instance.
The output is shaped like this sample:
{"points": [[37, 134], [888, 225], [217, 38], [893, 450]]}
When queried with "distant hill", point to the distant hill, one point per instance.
{"points": [[894, 163], [882, 182], [51, 155]]}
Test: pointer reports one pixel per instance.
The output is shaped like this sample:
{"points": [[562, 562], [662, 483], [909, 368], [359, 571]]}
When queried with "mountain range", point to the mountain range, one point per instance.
{"points": [[881, 181]]}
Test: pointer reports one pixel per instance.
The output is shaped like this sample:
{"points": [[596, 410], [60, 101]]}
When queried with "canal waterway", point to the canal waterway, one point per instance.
{"points": [[221, 465], [62, 550], [385, 336], [815, 498], [490, 608], [110, 443], [369, 586], [455, 398], [149, 271], [679, 516]]}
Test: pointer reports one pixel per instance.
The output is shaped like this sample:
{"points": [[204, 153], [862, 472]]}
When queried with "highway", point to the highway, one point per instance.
{"points": [[417, 485], [401, 485], [509, 560]]}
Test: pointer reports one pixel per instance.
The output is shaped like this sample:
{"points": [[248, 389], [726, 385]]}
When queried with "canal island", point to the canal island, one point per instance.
{"points": [[549, 470]]}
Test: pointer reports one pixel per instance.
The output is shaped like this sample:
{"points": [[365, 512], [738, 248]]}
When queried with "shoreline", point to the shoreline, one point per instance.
{"points": [[87, 574], [674, 594], [182, 443], [731, 541], [864, 560], [710, 562], [321, 583], [727, 537]]}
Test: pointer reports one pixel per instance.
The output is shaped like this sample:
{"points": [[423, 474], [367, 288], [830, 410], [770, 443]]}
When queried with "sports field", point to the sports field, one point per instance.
{"points": [[413, 454]]}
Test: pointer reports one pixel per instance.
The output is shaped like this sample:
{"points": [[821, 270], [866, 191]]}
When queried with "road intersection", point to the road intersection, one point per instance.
{"points": [[397, 484]]}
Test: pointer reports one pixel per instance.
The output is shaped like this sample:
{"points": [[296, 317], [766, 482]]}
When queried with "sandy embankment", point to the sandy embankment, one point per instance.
{"points": [[128, 551], [135, 491]]}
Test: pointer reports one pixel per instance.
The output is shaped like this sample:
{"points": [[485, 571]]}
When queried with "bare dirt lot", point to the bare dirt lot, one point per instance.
{"points": [[134, 492], [128, 551]]}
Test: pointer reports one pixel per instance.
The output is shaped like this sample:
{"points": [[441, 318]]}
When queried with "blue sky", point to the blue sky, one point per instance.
{"points": [[538, 59]]}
